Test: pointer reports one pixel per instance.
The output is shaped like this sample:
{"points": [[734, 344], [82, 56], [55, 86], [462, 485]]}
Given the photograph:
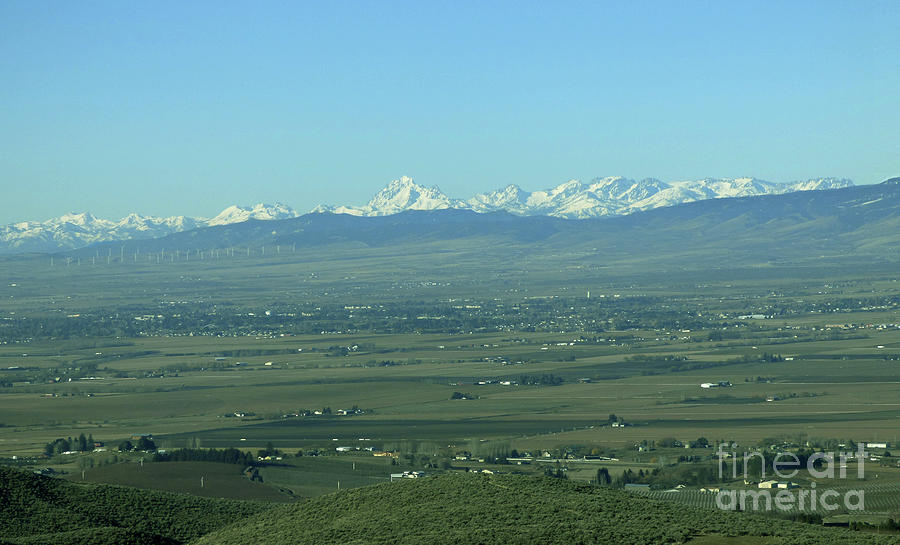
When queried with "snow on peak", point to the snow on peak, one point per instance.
{"points": [[81, 219], [510, 198], [238, 214], [612, 195], [609, 196], [75, 230], [405, 194], [397, 196], [816, 184]]}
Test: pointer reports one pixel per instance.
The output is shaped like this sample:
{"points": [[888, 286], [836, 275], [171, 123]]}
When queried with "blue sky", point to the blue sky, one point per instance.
{"points": [[171, 108]]}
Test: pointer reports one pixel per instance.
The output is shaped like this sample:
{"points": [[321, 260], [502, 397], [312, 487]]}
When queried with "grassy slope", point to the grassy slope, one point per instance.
{"points": [[505, 509], [36, 509]]}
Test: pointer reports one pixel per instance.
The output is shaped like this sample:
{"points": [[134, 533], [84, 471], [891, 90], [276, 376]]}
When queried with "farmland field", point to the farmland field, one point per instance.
{"points": [[218, 480], [445, 374]]}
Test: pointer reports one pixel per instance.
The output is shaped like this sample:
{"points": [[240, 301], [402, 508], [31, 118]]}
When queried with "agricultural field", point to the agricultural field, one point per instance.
{"points": [[313, 374], [172, 388], [214, 480]]}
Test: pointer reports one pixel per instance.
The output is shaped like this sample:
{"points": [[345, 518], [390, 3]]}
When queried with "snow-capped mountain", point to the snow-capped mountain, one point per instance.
{"points": [[397, 196], [609, 196], [573, 199], [237, 214], [77, 230]]}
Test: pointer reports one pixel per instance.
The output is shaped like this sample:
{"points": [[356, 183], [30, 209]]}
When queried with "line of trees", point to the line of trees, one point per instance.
{"points": [[144, 443], [225, 456], [78, 444]]}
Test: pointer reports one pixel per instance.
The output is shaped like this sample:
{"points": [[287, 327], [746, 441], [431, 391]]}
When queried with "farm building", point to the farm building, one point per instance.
{"points": [[407, 475]]}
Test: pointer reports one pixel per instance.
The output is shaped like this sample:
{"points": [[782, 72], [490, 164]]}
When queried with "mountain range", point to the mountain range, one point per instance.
{"points": [[857, 223], [72, 231], [610, 196]]}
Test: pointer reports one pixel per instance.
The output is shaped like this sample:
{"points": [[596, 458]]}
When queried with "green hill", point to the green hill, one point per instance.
{"points": [[37, 510], [503, 509]]}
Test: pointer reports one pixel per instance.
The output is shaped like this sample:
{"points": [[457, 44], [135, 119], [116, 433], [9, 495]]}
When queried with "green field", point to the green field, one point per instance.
{"points": [[218, 480], [842, 388]]}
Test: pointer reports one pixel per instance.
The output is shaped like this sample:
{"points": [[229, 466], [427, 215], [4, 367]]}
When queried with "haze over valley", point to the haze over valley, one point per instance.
{"points": [[229, 314]]}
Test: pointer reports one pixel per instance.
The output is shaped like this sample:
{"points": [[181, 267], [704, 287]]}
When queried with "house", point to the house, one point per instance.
{"points": [[767, 484], [878, 445], [786, 485], [407, 475]]}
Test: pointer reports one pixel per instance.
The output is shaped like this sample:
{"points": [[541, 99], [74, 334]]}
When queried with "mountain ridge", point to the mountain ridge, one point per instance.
{"points": [[602, 197], [609, 196], [793, 227], [75, 230]]}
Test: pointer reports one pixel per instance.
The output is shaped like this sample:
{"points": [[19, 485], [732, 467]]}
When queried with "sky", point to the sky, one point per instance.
{"points": [[184, 108]]}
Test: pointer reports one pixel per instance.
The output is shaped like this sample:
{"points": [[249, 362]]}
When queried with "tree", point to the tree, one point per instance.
{"points": [[126, 446], [270, 450], [603, 478], [668, 442], [145, 443], [57, 447]]}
